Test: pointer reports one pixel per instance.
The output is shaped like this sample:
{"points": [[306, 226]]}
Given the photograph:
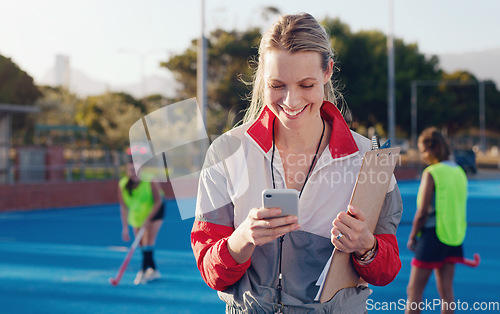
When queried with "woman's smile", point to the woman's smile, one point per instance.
{"points": [[292, 112]]}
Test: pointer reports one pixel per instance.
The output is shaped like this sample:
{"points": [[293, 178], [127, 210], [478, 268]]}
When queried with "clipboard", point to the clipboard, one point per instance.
{"points": [[368, 195]]}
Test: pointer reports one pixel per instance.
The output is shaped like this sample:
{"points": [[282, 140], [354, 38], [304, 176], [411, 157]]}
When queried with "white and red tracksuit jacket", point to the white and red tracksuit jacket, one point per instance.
{"points": [[236, 171]]}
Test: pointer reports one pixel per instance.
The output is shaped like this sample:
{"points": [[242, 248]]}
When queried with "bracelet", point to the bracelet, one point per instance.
{"points": [[369, 254]]}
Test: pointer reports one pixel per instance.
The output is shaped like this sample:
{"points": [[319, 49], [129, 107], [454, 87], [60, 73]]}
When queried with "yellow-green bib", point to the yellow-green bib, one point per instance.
{"points": [[139, 204], [450, 184]]}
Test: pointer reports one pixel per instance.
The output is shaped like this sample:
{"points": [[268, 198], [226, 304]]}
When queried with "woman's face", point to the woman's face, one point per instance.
{"points": [[294, 86], [426, 154], [131, 172]]}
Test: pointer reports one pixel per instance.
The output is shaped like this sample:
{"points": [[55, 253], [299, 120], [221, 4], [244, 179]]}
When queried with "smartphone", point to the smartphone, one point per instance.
{"points": [[286, 199]]}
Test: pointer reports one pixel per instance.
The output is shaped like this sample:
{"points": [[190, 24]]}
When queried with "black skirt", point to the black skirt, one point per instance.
{"points": [[161, 212], [431, 253]]}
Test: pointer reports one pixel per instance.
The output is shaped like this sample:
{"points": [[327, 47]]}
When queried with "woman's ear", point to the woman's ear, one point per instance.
{"points": [[328, 72]]}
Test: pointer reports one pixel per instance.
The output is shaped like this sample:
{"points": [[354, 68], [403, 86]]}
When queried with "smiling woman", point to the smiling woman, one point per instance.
{"points": [[283, 38], [293, 137], [292, 90]]}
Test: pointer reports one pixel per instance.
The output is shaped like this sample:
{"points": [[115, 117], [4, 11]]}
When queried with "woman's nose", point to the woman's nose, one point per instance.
{"points": [[292, 99]]}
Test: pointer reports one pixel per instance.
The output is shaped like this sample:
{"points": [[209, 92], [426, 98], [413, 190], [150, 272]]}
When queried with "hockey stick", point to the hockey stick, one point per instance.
{"points": [[115, 281], [466, 261], [472, 263]]}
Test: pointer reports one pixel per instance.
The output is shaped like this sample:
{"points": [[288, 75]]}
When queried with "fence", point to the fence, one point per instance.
{"points": [[58, 177], [55, 164]]}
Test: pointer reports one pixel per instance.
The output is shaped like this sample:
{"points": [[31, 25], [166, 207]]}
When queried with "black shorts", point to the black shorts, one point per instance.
{"points": [[431, 253], [161, 212]]}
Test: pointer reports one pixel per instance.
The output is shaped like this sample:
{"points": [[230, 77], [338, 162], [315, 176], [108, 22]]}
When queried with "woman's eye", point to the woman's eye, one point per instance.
{"points": [[307, 86], [276, 86]]}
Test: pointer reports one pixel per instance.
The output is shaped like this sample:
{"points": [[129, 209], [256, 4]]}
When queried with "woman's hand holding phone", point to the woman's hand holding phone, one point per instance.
{"points": [[261, 226]]}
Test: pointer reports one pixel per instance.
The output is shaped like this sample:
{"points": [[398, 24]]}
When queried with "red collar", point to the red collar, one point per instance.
{"points": [[341, 141]]}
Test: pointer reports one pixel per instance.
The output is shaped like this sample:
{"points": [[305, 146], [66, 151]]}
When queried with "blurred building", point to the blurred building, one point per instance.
{"points": [[62, 71]]}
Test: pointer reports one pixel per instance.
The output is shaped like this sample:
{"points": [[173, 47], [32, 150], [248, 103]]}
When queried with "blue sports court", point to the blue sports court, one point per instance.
{"points": [[59, 261]]}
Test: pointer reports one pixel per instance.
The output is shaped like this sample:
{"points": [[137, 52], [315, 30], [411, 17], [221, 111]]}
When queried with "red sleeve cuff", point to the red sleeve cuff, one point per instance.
{"points": [[226, 260], [217, 266], [386, 264]]}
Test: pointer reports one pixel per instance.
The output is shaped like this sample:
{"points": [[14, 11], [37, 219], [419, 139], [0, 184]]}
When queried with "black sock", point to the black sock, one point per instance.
{"points": [[147, 260]]}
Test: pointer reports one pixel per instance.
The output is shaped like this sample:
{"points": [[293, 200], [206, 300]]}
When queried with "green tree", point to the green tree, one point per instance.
{"points": [[492, 102], [156, 101], [109, 117], [57, 106], [361, 76], [362, 61], [229, 54], [456, 106], [18, 88]]}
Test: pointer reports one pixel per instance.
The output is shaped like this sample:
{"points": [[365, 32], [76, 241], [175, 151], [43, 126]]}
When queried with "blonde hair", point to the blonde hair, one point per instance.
{"points": [[293, 33]]}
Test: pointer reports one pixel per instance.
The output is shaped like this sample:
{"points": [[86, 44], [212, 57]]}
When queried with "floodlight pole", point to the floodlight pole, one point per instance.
{"points": [[201, 72], [482, 118], [414, 85], [391, 99]]}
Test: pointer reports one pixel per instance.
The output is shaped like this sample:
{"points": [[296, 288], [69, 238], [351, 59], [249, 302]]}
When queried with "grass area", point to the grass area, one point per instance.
{"points": [[93, 173]]}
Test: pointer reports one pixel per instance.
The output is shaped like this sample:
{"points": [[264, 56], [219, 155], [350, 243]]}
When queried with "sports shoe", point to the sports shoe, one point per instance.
{"points": [[139, 278], [151, 274]]}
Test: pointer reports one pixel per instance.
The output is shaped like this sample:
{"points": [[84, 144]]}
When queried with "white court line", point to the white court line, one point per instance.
{"points": [[99, 212]]}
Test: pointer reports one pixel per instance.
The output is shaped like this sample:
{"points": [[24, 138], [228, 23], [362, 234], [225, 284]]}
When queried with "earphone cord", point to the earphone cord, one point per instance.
{"points": [[279, 304]]}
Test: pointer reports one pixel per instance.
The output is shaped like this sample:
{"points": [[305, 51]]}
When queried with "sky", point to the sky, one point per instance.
{"points": [[110, 40]]}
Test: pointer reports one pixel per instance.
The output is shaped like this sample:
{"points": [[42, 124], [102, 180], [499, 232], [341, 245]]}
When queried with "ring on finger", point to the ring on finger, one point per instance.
{"points": [[339, 236]]}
